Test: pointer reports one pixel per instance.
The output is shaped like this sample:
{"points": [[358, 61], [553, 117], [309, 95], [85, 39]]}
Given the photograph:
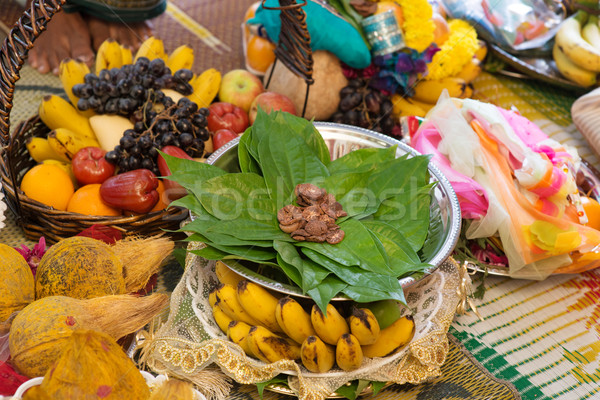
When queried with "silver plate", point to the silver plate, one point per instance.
{"points": [[342, 139]]}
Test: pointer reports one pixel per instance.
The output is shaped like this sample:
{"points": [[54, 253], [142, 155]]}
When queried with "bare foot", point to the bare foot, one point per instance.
{"points": [[130, 34], [66, 36]]}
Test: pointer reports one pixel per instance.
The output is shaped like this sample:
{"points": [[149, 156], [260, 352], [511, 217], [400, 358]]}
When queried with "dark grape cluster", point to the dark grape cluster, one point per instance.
{"points": [[160, 122], [123, 90], [361, 105]]}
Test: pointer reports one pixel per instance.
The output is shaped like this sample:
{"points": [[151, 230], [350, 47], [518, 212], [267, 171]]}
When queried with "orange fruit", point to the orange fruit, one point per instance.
{"points": [[260, 53], [163, 201], [384, 6], [592, 210], [48, 184], [86, 200]]}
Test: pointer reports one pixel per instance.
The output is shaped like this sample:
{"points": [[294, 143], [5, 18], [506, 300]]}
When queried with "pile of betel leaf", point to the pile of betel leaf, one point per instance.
{"points": [[387, 200]]}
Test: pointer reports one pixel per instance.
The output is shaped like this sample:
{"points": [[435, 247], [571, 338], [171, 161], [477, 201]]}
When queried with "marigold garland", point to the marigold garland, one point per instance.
{"points": [[418, 26], [455, 52]]}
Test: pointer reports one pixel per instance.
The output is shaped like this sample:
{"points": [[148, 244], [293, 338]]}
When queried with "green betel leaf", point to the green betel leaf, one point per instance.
{"points": [[395, 243], [309, 133], [361, 160], [247, 252], [247, 161], [251, 230], [189, 173], [311, 273], [365, 294], [327, 290]]}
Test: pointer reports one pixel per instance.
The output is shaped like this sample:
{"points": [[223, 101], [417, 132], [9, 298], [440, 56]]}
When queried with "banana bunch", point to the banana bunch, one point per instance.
{"points": [[576, 50], [273, 328], [427, 92]]}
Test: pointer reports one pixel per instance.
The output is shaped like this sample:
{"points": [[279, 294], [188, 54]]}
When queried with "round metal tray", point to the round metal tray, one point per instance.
{"points": [[342, 139]]}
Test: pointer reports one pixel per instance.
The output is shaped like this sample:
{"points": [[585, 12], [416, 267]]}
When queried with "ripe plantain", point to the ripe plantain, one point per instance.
{"points": [[226, 274], [316, 355], [269, 347], [237, 332], [329, 327], [206, 86], [429, 91], [221, 318], [226, 297], [392, 338], [259, 304], [67, 143], [182, 57], [56, 112], [293, 320], [348, 353], [39, 149], [364, 326]]}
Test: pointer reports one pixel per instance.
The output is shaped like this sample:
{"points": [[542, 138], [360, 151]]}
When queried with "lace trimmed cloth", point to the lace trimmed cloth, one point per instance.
{"points": [[190, 345]]}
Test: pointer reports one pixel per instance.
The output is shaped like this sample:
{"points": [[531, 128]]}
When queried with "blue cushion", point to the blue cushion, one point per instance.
{"points": [[328, 31]]}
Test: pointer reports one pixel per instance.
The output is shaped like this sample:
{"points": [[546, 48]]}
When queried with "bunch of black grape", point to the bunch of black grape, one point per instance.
{"points": [[366, 107], [161, 122], [123, 90]]}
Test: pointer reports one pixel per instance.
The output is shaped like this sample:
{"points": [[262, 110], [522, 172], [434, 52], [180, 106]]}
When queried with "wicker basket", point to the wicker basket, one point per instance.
{"points": [[35, 218]]}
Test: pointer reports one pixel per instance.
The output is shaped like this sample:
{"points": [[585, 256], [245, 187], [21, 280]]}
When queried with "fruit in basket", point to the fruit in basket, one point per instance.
{"points": [[570, 70], [133, 190], [56, 112], [294, 320], [93, 365], [181, 58], [269, 347], [66, 142], [40, 331], [72, 72], [348, 352], [260, 53], [79, 267], [89, 166], [239, 87], [316, 355], [330, 326], [87, 201], [226, 274], [227, 116], [17, 284], [39, 149], [237, 332], [225, 297], [364, 325], [48, 184], [270, 101], [108, 55], [259, 303], [223, 136], [205, 87], [109, 129], [151, 49], [392, 338], [173, 190]]}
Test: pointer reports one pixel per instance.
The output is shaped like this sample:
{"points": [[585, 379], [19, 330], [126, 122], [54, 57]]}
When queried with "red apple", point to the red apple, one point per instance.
{"points": [[227, 116], [269, 101], [239, 87], [223, 136]]}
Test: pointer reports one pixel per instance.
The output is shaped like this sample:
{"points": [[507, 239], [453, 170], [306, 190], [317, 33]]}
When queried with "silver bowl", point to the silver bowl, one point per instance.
{"points": [[342, 139]]}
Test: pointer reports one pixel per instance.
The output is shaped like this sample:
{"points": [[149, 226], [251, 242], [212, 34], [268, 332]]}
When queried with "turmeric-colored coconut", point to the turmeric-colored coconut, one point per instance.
{"points": [[79, 267], [173, 389], [93, 366], [40, 331], [16, 282]]}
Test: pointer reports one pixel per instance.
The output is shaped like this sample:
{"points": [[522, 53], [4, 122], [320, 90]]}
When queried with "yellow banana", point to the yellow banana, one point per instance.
{"points": [[269, 347], [126, 55], [316, 355], [259, 304], [226, 298], [56, 112], [108, 56], [65, 166], [182, 57], [568, 38], [591, 32], [404, 107], [392, 338], [429, 91], [237, 332], [39, 149], [151, 48], [226, 274], [571, 71], [221, 318], [328, 327], [72, 72], [206, 86], [67, 143], [109, 128], [348, 353], [364, 326], [293, 320], [481, 51], [470, 71]]}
